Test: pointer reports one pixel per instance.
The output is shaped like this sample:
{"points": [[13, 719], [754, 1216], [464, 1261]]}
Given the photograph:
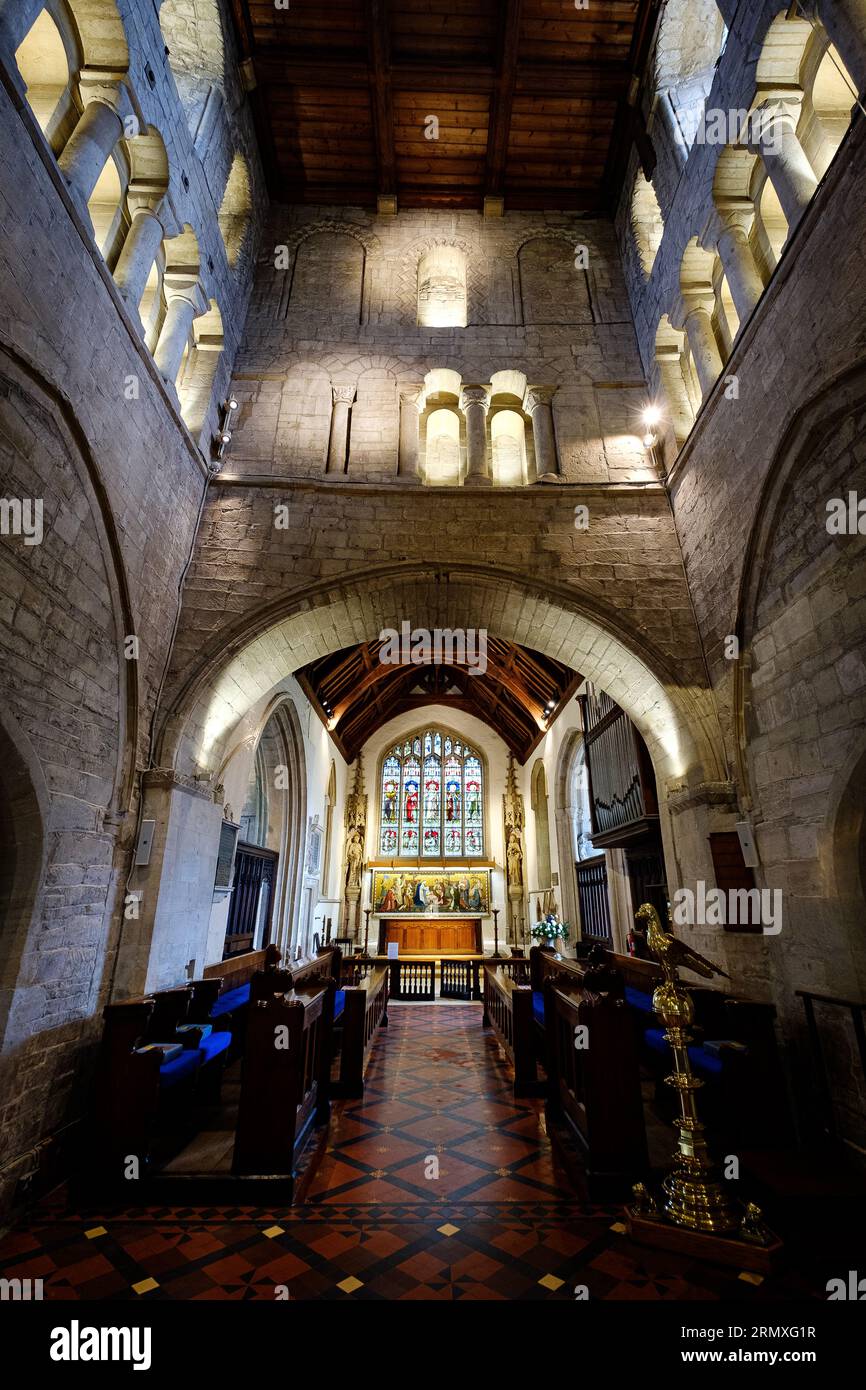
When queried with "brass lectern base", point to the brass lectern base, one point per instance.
{"points": [[723, 1250]]}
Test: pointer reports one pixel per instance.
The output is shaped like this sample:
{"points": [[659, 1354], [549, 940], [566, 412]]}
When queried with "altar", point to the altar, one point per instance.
{"points": [[431, 936]]}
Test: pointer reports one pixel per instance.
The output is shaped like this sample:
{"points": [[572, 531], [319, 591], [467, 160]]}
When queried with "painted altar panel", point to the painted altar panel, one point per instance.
{"points": [[441, 890]]}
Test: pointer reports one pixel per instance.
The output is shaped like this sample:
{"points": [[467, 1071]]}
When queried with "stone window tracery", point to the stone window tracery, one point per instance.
{"points": [[431, 798]]}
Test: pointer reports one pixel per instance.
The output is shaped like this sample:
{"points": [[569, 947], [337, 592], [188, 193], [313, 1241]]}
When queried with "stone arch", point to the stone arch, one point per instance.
{"points": [[647, 223], [73, 611], [552, 288], [675, 717], [690, 38], [797, 659], [403, 291], [200, 367], [235, 214], [92, 30], [48, 57], [194, 37], [28, 388], [442, 287], [328, 274]]}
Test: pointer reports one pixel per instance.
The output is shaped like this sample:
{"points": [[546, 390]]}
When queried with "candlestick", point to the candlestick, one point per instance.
{"points": [[497, 955]]}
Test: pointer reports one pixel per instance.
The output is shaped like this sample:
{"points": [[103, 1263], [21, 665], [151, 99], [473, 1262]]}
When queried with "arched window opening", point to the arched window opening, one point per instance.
{"points": [[771, 228], [151, 306], [199, 367], [832, 98], [106, 209], [647, 222], [431, 803], [677, 376], [236, 209], [45, 69], [442, 455], [691, 37], [726, 320], [196, 53], [508, 442], [442, 288]]}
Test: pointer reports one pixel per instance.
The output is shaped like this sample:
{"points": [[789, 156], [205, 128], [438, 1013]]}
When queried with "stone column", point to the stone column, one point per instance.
{"points": [[475, 402], [137, 257], [845, 22], [775, 139], [185, 303], [408, 463], [537, 404], [342, 396], [702, 340], [88, 147], [736, 255]]}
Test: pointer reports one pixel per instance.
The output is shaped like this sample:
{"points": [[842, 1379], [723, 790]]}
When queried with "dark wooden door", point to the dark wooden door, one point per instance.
{"points": [[254, 879]]}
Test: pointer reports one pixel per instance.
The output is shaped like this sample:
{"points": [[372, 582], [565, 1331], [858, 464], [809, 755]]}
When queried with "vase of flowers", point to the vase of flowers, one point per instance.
{"points": [[550, 932]]}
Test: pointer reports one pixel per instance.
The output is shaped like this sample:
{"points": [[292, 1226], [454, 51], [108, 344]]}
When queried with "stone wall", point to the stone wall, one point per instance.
{"points": [[335, 303], [750, 490], [89, 431]]}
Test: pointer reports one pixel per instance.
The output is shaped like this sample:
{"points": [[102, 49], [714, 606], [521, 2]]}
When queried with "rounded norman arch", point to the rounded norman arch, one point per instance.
{"points": [[674, 714]]}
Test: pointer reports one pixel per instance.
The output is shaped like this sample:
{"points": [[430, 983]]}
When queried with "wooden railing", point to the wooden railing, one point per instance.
{"points": [[413, 979], [365, 1009], [508, 1011], [459, 979], [593, 899]]}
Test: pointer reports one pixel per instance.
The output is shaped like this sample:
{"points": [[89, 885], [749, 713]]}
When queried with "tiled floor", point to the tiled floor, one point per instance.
{"points": [[436, 1185]]}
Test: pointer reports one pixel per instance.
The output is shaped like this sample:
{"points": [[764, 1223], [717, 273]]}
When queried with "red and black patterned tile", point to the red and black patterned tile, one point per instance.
{"points": [[437, 1185]]}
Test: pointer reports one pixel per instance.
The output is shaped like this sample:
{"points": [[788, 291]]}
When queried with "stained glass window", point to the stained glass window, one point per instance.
{"points": [[432, 799]]}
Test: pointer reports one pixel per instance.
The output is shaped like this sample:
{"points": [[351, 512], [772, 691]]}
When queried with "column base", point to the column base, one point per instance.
{"points": [[477, 480], [549, 478]]}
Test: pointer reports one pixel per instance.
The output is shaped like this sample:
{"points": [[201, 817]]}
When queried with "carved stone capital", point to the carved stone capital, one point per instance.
{"points": [[343, 393], [475, 395], [537, 396]]}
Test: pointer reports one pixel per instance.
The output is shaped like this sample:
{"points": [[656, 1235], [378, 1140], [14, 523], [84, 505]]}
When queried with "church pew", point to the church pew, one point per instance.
{"points": [[144, 1100], [236, 976], [594, 1083], [734, 1052], [508, 1011], [285, 1080], [365, 1010]]}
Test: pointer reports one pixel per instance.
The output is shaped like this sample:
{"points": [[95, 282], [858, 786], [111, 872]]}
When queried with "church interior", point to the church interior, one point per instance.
{"points": [[433, 628]]}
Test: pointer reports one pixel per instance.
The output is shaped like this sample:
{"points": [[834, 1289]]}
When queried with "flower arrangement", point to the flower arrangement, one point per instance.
{"points": [[549, 928]]}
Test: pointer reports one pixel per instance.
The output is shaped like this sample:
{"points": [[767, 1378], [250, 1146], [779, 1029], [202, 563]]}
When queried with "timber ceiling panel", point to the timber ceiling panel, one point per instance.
{"points": [[520, 694], [534, 98]]}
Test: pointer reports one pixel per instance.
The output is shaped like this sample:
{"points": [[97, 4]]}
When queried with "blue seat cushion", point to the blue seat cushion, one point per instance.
{"points": [[538, 1006], [638, 999], [184, 1065], [339, 1003], [213, 1045], [703, 1062], [231, 1000]]}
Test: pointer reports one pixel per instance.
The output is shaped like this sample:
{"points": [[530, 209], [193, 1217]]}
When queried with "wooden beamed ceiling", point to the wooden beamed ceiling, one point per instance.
{"points": [[535, 99], [520, 694]]}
